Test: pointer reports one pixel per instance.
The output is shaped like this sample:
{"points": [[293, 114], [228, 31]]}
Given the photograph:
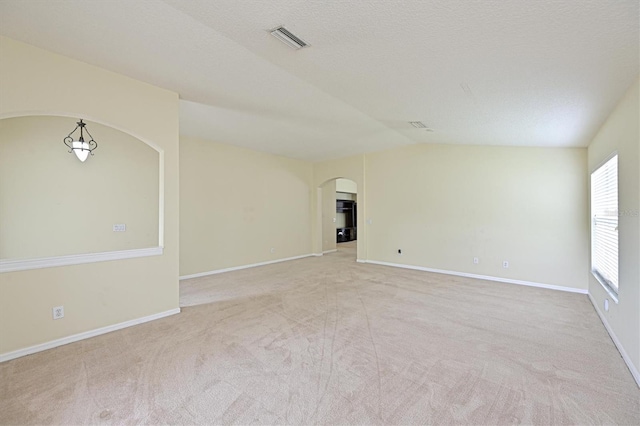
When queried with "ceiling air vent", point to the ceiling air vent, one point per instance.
{"points": [[420, 125], [285, 36]]}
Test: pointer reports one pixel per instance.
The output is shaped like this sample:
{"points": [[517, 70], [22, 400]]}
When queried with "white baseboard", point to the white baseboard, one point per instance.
{"points": [[623, 353], [85, 335], [480, 277], [253, 265], [329, 251]]}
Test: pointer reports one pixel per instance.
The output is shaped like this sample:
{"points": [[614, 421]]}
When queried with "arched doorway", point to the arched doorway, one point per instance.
{"points": [[339, 207]]}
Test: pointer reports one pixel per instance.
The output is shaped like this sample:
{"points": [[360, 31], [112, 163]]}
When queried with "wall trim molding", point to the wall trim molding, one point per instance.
{"points": [[329, 251], [75, 259], [252, 265], [481, 277], [84, 335], [634, 371]]}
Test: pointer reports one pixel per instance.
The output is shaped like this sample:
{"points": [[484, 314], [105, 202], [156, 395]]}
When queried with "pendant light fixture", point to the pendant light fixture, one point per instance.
{"points": [[81, 148]]}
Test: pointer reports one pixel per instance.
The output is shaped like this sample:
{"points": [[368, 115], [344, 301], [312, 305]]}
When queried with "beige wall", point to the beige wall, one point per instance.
{"points": [[444, 205], [620, 133], [329, 216], [77, 203], [37, 82], [237, 204]]}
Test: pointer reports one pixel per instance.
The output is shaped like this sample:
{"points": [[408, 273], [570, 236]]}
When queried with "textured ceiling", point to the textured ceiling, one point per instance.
{"points": [[508, 72]]}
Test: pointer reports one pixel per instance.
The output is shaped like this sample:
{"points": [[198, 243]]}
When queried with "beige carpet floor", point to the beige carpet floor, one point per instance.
{"points": [[330, 341]]}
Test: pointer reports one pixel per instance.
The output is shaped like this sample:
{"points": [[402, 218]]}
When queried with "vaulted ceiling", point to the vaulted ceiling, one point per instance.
{"points": [[506, 72]]}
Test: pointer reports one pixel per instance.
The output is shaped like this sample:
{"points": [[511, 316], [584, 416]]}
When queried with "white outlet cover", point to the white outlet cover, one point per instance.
{"points": [[119, 227], [58, 312], [476, 260], [505, 264]]}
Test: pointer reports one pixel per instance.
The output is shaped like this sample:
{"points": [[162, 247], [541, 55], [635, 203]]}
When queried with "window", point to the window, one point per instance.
{"points": [[604, 224]]}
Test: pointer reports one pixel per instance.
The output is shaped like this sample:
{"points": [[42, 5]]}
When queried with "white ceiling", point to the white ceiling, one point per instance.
{"points": [[506, 72]]}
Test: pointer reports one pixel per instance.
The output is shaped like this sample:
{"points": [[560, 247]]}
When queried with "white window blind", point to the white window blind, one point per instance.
{"points": [[604, 223]]}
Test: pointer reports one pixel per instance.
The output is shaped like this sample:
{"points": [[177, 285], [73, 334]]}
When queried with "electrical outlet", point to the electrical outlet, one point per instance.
{"points": [[273, 250], [505, 264], [119, 227], [334, 220], [476, 260], [58, 312]]}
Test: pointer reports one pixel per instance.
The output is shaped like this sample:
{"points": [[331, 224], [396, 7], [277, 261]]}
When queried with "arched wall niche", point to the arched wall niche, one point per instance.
{"points": [[76, 116], [55, 210]]}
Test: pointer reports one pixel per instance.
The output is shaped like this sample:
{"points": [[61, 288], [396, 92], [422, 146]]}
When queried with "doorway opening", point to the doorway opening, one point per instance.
{"points": [[340, 217]]}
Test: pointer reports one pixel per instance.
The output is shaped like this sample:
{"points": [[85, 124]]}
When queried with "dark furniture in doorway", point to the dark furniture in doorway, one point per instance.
{"points": [[350, 230]]}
